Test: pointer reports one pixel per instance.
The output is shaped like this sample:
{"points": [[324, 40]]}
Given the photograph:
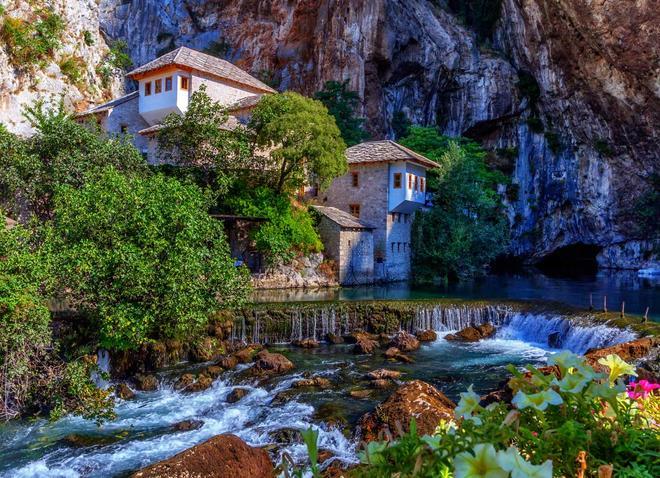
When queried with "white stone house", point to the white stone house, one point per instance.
{"points": [[384, 187], [165, 86]]}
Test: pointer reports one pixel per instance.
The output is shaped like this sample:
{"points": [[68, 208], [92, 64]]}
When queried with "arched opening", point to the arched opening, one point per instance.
{"points": [[574, 259]]}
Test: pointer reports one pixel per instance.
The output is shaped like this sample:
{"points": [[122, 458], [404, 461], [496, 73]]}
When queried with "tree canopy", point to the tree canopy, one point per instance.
{"points": [[342, 104], [465, 228]]}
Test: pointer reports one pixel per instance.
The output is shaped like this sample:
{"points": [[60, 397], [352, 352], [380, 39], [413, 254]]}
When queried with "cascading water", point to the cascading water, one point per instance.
{"points": [[103, 364]]}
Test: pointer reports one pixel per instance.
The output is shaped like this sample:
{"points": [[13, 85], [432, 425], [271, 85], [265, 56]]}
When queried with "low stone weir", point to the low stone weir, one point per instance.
{"points": [[281, 323]]}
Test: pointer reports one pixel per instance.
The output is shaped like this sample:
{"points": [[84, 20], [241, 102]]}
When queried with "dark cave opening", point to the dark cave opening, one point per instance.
{"points": [[572, 260]]}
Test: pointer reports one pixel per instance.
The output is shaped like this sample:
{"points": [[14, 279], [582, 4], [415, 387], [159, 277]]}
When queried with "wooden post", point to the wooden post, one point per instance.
{"points": [[605, 471], [591, 301], [605, 304], [623, 309], [646, 315], [581, 461]]}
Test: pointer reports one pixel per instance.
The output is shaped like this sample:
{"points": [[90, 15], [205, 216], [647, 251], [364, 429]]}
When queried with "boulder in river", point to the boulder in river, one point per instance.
{"points": [[223, 456], [628, 351], [404, 341], [185, 381], [188, 425], [271, 364], [146, 383], [334, 339], [426, 335], [414, 399], [472, 333], [247, 354], [306, 343], [206, 349], [316, 381], [228, 362], [237, 394], [394, 353], [383, 374], [202, 383], [364, 344], [554, 340], [123, 391], [213, 371]]}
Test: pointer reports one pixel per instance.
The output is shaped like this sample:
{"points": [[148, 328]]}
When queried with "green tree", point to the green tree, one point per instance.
{"points": [[465, 228], [342, 104], [302, 141], [288, 230], [202, 142], [142, 257], [61, 152]]}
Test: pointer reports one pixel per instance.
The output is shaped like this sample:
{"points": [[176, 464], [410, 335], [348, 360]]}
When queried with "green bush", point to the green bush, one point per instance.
{"points": [[32, 42], [88, 38], [289, 230], [549, 422], [115, 62], [73, 67], [142, 257], [342, 104], [465, 228]]}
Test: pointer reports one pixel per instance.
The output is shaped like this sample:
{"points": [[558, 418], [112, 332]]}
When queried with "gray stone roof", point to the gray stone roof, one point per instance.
{"points": [[110, 104], [386, 150], [342, 218], [247, 102], [196, 60]]}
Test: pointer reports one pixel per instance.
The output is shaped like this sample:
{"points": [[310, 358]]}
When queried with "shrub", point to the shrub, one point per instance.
{"points": [[551, 420], [115, 62], [553, 141], [342, 104], [88, 38], [535, 124], [142, 257], [529, 87], [31, 42], [73, 67]]}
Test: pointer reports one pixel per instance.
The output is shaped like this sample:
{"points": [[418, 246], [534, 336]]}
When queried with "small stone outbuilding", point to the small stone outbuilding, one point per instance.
{"points": [[350, 242]]}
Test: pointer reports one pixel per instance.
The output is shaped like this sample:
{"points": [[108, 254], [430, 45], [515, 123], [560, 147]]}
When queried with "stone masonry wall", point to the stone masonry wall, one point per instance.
{"points": [[128, 114], [356, 264]]}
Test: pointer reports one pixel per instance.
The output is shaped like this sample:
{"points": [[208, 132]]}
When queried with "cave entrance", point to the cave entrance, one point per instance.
{"points": [[572, 260]]}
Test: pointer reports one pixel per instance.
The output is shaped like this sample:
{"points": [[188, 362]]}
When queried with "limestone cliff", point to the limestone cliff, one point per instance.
{"points": [[60, 64], [564, 92]]}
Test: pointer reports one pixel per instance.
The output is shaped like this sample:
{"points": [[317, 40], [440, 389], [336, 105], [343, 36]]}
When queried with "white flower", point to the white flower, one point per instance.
{"points": [[482, 464], [572, 383], [539, 401], [512, 462], [468, 403], [566, 360]]}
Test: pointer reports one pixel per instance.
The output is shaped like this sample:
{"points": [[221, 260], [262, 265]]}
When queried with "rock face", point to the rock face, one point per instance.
{"points": [[414, 399], [223, 456], [628, 351], [565, 91]]}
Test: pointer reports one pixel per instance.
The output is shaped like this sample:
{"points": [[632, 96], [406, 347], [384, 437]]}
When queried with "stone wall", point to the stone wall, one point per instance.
{"points": [[127, 114], [306, 272]]}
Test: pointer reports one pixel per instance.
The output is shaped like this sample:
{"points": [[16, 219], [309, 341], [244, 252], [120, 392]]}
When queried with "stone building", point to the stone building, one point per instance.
{"points": [[350, 242], [165, 86], [385, 185]]}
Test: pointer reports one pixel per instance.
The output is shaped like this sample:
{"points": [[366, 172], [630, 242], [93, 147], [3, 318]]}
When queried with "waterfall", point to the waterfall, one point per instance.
{"points": [[576, 336], [103, 364], [441, 319]]}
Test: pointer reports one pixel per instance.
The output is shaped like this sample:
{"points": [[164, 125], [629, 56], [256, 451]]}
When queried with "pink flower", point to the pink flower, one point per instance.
{"points": [[641, 389]]}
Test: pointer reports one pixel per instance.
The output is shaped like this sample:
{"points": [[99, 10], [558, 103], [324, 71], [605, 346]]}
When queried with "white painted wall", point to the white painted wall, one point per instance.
{"points": [[224, 93], [155, 107], [398, 195]]}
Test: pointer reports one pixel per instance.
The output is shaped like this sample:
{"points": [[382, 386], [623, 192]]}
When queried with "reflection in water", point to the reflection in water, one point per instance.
{"points": [[637, 292]]}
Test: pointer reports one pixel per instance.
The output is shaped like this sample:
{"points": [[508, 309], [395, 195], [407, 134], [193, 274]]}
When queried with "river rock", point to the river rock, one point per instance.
{"points": [[202, 383], [237, 394], [271, 364], [334, 339], [632, 351], [248, 354], [146, 383], [228, 362], [123, 391], [360, 393], [486, 330], [223, 456], [286, 435], [404, 341], [316, 381], [426, 335], [205, 350], [381, 383], [364, 344], [554, 340], [414, 399], [77, 440], [213, 371], [472, 333], [188, 425], [383, 374], [306, 343], [185, 381], [394, 353], [356, 336]]}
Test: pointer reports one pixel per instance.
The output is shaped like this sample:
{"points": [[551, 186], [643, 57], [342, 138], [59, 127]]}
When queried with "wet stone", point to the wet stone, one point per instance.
{"points": [[188, 425], [237, 394], [124, 392], [146, 383]]}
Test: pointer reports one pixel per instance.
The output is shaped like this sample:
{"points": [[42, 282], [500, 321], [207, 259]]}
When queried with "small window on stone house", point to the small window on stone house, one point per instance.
{"points": [[354, 209], [410, 181], [147, 88], [398, 247], [158, 86], [355, 179], [397, 180], [415, 184], [184, 83], [168, 83], [123, 128], [422, 184]]}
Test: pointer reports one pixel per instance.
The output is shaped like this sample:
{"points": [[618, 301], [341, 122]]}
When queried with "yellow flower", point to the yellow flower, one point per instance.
{"points": [[482, 464], [512, 462], [566, 360], [539, 401], [468, 403], [617, 367]]}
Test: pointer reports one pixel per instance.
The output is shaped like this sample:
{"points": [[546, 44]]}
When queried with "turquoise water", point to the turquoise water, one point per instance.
{"points": [[618, 286]]}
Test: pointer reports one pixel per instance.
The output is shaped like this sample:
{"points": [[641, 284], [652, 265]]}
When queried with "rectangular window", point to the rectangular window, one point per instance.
{"points": [[168, 83], [354, 209], [392, 247], [422, 184], [147, 88], [415, 184], [398, 247], [397, 180], [184, 83], [355, 179], [158, 86], [123, 128], [410, 181]]}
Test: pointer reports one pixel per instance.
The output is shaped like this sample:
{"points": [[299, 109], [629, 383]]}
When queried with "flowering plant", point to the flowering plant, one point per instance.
{"points": [[555, 413]]}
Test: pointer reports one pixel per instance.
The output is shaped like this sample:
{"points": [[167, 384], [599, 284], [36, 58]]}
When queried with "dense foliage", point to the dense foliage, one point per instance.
{"points": [[115, 62], [31, 42], [288, 229], [61, 152], [647, 209], [342, 104], [302, 141], [143, 257], [465, 228], [551, 420]]}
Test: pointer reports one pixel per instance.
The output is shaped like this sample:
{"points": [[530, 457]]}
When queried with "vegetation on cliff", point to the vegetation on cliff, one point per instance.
{"points": [[465, 227], [342, 104]]}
